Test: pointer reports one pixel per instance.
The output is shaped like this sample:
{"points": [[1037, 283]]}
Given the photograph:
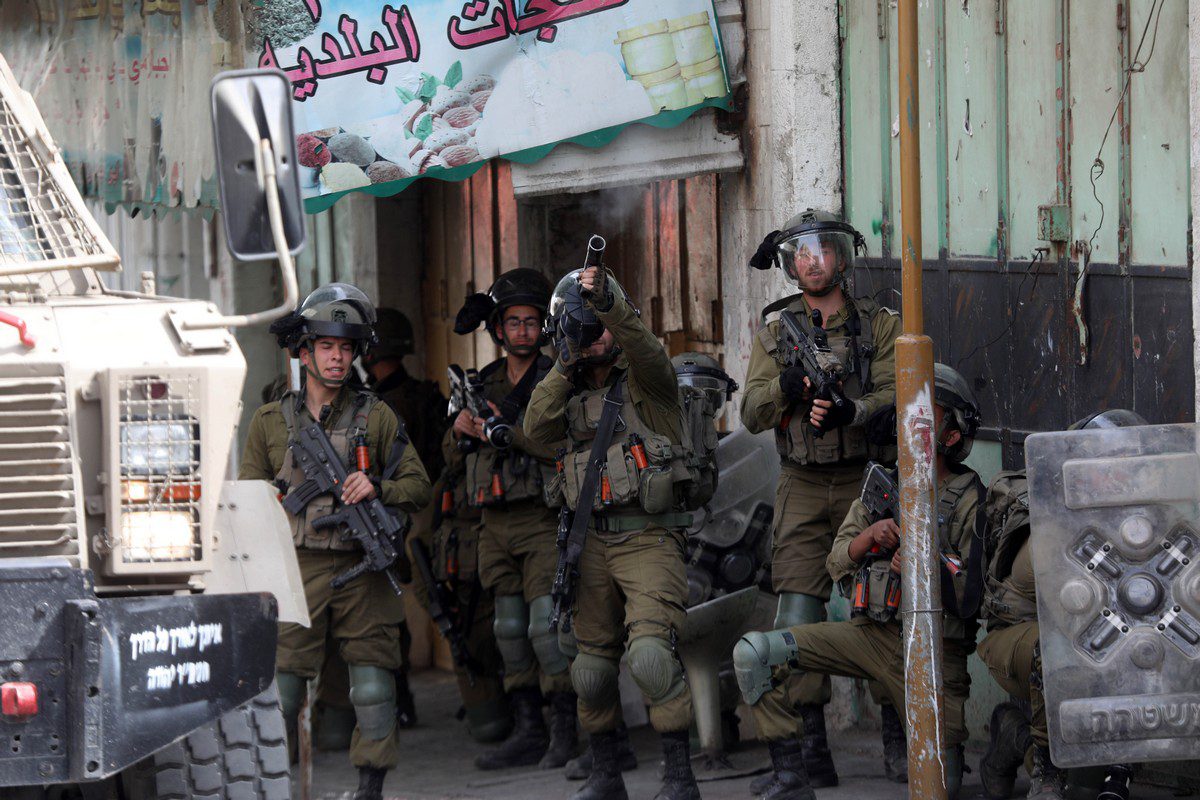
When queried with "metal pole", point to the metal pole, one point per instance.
{"points": [[922, 603]]}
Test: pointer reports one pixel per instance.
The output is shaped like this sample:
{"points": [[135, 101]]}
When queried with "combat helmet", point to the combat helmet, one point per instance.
{"points": [[335, 310], [811, 232], [571, 317], [952, 392], [702, 371], [516, 287], [395, 335]]}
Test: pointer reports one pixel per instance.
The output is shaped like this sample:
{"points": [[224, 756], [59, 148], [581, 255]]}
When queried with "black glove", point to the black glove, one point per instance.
{"points": [[764, 256], [567, 354], [791, 380], [880, 427], [836, 417]]}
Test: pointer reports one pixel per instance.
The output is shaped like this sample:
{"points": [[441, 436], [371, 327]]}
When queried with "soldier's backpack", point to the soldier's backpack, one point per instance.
{"points": [[1007, 508], [700, 427]]}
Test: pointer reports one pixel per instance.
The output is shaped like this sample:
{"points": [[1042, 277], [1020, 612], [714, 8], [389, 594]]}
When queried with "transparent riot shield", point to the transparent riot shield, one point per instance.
{"points": [[1116, 535]]}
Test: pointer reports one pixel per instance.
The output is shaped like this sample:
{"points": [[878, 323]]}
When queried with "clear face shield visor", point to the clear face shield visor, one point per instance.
{"points": [[809, 255]]}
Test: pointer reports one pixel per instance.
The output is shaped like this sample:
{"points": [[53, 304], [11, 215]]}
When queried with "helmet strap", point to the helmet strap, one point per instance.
{"points": [[521, 351]]}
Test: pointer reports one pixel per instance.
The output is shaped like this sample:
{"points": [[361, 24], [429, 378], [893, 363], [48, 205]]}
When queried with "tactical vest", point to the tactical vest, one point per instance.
{"points": [[853, 345], [645, 473], [351, 423], [1008, 528], [879, 588], [494, 477]]}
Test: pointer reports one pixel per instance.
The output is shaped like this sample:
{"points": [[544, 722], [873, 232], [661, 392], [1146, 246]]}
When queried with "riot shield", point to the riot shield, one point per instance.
{"points": [[1115, 537]]}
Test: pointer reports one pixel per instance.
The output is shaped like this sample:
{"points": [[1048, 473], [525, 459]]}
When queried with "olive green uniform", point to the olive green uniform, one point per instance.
{"points": [[1010, 649], [453, 540], [820, 477], [632, 588], [863, 648], [365, 614], [517, 539]]}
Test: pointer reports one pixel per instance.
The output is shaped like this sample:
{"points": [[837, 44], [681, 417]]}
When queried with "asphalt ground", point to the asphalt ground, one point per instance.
{"points": [[438, 763]]}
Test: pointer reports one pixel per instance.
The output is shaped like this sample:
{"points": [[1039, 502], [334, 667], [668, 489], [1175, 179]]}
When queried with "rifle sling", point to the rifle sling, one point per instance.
{"points": [[613, 400]]}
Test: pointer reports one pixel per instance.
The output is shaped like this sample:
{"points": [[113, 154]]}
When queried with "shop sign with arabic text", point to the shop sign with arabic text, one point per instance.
{"points": [[384, 93]]}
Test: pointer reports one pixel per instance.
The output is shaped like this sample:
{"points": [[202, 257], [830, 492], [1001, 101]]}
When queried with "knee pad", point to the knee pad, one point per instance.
{"points": [[544, 640], [755, 657], [292, 688], [655, 669], [373, 693], [798, 609], [595, 680], [511, 627]]}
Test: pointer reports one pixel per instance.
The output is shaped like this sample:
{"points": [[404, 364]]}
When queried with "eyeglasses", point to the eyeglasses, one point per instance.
{"points": [[512, 324]]}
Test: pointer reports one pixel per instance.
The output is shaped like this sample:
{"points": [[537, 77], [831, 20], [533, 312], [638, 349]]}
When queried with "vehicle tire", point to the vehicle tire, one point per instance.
{"points": [[241, 756]]}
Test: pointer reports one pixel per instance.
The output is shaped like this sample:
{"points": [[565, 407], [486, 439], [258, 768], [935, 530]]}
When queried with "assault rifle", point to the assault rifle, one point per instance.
{"points": [[466, 392], [881, 497], [566, 574], [814, 356], [367, 522], [442, 611]]}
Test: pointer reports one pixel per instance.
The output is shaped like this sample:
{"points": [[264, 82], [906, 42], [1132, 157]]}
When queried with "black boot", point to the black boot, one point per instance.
{"points": [[579, 768], [895, 746], [789, 778], [815, 747], [605, 781], [370, 783], [1007, 744], [406, 704], [526, 745], [1116, 783], [678, 781], [564, 740], [1046, 782]]}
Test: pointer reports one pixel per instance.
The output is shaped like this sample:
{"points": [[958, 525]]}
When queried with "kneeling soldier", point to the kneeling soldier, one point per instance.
{"points": [[870, 644]]}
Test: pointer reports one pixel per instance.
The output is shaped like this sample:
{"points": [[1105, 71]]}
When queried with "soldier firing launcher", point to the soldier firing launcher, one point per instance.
{"points": [[368, 522]]}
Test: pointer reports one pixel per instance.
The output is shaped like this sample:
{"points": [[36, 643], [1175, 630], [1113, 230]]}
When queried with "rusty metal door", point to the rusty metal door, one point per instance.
{"points": [[1055, 171]]}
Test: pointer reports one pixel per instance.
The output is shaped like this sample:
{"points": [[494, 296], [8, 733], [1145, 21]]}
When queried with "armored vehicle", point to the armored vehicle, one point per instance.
{"points": [[140, 590]]}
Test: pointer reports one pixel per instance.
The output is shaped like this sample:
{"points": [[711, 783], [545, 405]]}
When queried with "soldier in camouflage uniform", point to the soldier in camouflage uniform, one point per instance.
{"points": [[632, 586], [332, 327], [517, 552], [823, 448], [870, 645], [1011, 648]]}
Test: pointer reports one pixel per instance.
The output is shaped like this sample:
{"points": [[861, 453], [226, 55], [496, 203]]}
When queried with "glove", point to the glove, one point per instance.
{"points": [[567, 354], [791, 380], [764, 256], [880, 427], [838, 417]]}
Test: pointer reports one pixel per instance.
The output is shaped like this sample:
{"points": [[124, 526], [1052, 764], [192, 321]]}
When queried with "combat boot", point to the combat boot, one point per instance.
{"points": [[789, 778], [1008, 743], [679, 783], [814, 745], [895, 746], [564, 740], [370, 783], [406, 704], [529, 740], [605, 781], [579, 768], [1046, 781]]}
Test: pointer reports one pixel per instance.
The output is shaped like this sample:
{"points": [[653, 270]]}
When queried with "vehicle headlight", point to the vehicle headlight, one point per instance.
{"points": [[157, 536], [158, 447]]}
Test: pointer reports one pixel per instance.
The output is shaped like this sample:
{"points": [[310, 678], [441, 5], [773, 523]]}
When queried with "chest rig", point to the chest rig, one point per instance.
{"points": [[350, 424], [496, 477], [646, 478], [876, 589], [853, 346]]}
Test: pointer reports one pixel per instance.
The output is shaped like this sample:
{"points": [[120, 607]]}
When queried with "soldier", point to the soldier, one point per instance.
{"points": [[823, 448], [870, 645], [632, 587], [421, 407], [517, 552], [332, 327], [1011, 648]]}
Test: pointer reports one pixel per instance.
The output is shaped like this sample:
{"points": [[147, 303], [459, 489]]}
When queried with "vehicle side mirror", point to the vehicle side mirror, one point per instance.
{"points": [[250, 108]]}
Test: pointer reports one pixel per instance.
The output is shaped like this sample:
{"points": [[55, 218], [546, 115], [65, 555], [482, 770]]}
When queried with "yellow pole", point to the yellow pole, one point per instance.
{"points": [[922, 603]]}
